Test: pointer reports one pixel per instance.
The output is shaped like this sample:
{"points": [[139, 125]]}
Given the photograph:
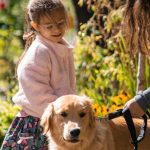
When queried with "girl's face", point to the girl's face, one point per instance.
{"points": [[53, 27]]}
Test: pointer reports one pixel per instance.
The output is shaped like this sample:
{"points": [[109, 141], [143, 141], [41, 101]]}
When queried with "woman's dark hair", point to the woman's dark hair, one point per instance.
{"points": [[137, 21]]}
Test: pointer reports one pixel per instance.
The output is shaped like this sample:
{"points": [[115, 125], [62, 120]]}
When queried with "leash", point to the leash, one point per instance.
{"points": [[131, 127], [129, 121]]}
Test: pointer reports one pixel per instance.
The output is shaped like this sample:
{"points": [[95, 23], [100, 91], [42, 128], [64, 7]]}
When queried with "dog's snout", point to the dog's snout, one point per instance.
{"points": [[75, 132]]}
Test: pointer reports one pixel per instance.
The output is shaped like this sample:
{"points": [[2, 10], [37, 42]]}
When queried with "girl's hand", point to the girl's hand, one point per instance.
{"points": [[134, 107]]}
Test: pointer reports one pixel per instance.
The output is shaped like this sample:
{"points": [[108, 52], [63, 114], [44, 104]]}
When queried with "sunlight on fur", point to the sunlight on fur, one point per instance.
{"points": [[70, 124]]}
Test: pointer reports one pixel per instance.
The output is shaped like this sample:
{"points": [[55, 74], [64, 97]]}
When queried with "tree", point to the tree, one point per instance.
{"points": [[83, 14]]}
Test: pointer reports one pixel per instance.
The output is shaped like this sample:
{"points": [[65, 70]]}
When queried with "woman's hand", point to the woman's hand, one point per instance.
{"points": [[134, 107]]}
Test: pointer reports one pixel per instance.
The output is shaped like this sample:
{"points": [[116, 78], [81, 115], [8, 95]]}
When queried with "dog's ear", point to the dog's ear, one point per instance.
{"points": [[46, 119], [92, 117]]}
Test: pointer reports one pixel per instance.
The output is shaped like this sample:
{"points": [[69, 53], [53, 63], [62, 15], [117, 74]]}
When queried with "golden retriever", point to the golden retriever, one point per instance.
{"points": [[70, 124]]}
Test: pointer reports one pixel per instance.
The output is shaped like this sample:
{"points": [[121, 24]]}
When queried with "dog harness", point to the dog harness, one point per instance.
{"points": [[129, 121]]}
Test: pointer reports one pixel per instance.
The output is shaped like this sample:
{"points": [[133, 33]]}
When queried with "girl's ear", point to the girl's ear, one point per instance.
{"points": [[34, 25]]}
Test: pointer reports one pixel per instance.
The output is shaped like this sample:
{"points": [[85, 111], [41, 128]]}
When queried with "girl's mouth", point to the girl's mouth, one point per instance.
{"points": [[57, 35]]}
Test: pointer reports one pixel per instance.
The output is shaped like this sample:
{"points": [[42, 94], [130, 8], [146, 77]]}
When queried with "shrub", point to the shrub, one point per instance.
{"points": [[7, 114], [104, 65]]}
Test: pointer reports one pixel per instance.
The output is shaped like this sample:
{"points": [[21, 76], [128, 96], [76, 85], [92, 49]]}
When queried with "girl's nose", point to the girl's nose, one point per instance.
{"points": [[56, 28]]}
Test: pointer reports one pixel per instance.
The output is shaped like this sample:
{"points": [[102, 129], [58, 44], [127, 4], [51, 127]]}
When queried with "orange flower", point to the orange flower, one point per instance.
{"points": [[121, 99], [100, 110]]}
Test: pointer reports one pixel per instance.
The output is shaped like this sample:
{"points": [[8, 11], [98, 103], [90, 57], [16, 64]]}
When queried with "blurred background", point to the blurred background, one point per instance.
{"points": [[105, 70]]}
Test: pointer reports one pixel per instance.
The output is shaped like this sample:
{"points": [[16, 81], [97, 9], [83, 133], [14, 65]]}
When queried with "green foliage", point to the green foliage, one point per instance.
{"points": [[7, 114], [11, 44], [103, 63], [101, 72]]}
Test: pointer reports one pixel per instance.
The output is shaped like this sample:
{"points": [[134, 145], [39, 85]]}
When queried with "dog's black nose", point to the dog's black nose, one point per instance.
{"points": [[75, 132]]}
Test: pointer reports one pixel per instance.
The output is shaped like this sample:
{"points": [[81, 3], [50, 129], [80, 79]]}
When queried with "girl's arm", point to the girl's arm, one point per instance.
{"points": [[34, 78]]}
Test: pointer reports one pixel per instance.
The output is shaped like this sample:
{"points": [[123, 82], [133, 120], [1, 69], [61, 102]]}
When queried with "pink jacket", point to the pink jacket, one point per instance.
{"points": [[45, 73]]}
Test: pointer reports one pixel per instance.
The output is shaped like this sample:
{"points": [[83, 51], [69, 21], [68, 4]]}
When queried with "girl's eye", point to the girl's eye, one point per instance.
{"points": [[61, 23], [49, 27], [82, 114], [64, 114]]}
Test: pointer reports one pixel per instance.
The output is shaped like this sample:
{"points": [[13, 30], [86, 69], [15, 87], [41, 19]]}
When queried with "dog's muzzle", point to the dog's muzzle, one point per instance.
{"points": [[75, 133]]}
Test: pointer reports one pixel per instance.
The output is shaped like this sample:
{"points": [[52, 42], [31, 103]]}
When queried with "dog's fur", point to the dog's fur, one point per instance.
{"points": [[70, 124]]}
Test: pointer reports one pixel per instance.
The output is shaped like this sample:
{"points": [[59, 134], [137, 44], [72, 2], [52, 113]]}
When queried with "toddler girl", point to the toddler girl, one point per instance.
{"points": [[45, 72]]}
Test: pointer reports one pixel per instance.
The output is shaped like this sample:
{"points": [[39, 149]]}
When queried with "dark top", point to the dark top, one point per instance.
{"points": [[143, 99]]}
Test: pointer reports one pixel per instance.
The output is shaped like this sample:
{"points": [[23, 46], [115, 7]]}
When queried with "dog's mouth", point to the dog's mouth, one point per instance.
{"points": [[72, 140]]}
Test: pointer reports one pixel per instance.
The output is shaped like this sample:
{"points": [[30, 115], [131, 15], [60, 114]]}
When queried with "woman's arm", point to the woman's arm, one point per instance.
{"points": [[139, 104]]}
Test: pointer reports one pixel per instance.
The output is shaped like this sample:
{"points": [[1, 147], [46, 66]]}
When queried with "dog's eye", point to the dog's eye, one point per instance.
{"points": [[82, 114], [64, 114]]}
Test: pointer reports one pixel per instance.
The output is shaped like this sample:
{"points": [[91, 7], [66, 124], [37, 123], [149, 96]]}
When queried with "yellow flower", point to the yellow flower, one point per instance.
{"points": [[115, 100], [104, 110], [121, 99], [96, 108], [118, 102], [100, 110]]}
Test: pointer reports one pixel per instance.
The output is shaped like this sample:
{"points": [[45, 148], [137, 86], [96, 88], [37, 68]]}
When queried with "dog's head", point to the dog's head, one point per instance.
{"points": [[69, 119]]}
